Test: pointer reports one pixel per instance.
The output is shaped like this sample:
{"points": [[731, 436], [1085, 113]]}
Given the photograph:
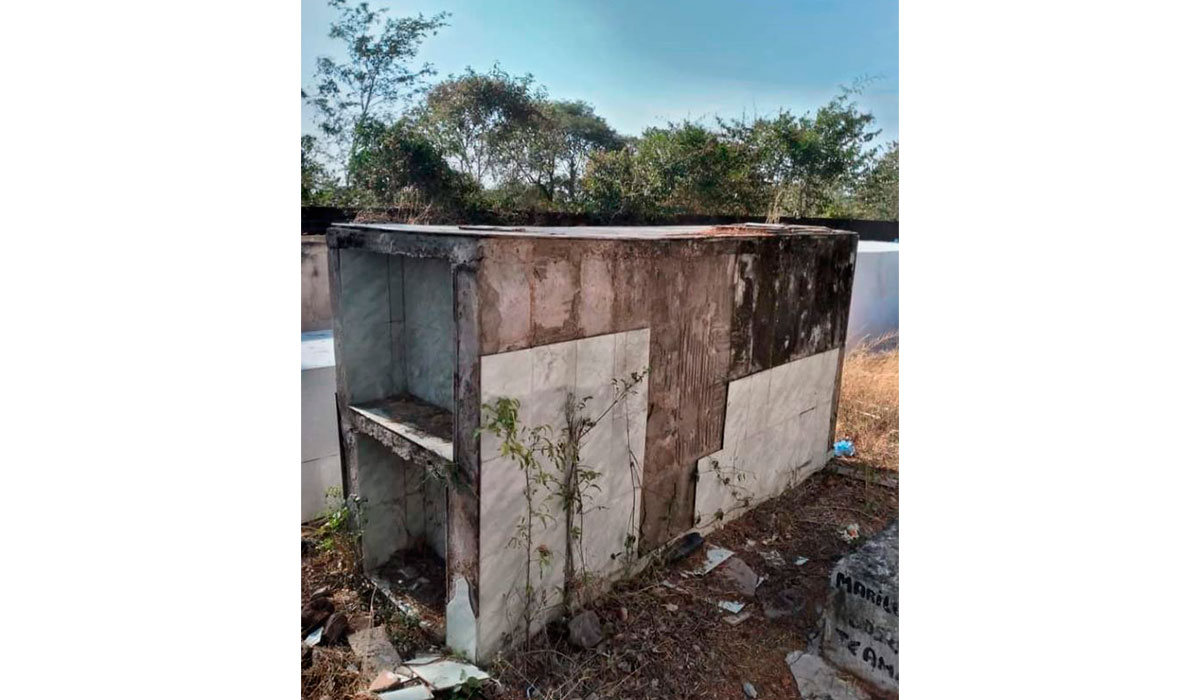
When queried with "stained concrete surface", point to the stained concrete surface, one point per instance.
{"points": [[429, 330]]}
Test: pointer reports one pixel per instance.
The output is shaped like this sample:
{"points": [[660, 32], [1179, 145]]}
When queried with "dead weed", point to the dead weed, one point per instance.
{"points": [[869, 407]]}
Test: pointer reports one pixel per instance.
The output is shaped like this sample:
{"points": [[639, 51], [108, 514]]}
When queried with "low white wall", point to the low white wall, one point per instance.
{"points": [[875, 302], [320, 460]]}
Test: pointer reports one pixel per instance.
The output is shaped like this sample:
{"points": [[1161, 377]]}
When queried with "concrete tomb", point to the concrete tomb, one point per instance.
{"points": [[703, 361]]}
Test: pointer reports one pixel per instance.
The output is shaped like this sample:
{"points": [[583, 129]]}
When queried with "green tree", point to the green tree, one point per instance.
{"points": [[552, 153], [472, 118], [375, 75], [317, 186], [682, 168], [808, 163], [878, 195], [397, 166]]}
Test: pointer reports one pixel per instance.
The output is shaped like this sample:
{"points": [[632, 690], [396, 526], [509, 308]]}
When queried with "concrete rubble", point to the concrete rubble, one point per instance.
{"points": [[783, 603], [388, 680], [772, 558], [585, 629], [738, 619], [741, 576], [415, 679], [373, 647], [817, 680]]}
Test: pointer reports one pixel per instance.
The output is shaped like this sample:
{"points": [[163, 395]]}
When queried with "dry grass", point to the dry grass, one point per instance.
{"points": [[869, 407], [331, 675]]}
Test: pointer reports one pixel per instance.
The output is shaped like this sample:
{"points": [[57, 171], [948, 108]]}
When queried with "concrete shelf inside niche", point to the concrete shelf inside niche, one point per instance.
{"points": [[419, 424]]}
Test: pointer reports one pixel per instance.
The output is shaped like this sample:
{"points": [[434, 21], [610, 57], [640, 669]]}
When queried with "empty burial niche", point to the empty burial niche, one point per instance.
{"points": [[397, 354], [403, 508], [397, 328]]}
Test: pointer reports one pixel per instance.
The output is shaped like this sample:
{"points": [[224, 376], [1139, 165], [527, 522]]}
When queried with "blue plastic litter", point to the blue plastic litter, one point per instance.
{"points": [[843, 448]]}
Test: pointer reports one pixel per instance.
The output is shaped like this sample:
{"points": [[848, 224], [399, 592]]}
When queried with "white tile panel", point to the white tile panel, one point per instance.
{"points": [[582, 367]]}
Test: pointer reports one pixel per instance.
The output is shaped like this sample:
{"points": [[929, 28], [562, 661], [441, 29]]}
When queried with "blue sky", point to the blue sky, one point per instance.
{"points": [[644, 63]]}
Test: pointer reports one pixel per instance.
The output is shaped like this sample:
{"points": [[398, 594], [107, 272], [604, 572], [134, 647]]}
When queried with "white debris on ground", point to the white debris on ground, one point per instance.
{"points": [[817, 680], [415, 679], [412, 692], [731, 606], [713, 557], [773, 558], [738, 619], [442, 672]]}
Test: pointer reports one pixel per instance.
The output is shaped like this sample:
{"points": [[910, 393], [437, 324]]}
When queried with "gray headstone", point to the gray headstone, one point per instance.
{"points": [[862, 617]]}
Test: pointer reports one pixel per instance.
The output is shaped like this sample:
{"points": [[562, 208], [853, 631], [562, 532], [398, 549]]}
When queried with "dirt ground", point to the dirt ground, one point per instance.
{"points": [[672, 641], [687, 650], [668, 642]]}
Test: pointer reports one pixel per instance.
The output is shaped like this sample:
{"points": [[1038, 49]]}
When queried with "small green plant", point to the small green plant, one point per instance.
{"points": [[471, 689], [556, 481], [732, 477], [339, 519]]}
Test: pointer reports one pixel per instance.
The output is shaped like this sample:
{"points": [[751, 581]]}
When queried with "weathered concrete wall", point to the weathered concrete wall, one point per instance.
{"points": [[718, 308], [542, 378], [365, 355], [862, 616], [315, 311], [427, 329], [875, 307]]}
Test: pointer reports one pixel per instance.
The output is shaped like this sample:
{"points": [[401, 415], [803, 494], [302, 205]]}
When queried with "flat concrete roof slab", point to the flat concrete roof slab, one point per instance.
{"points": [[604, 232]]}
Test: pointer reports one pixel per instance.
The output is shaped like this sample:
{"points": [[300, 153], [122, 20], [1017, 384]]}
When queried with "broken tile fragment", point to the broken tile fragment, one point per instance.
{"points": [[440, 672], [731, 606], [412, 692], [741, 575], [388, 680], [735, 620], [461, 627], [713, 557]]}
